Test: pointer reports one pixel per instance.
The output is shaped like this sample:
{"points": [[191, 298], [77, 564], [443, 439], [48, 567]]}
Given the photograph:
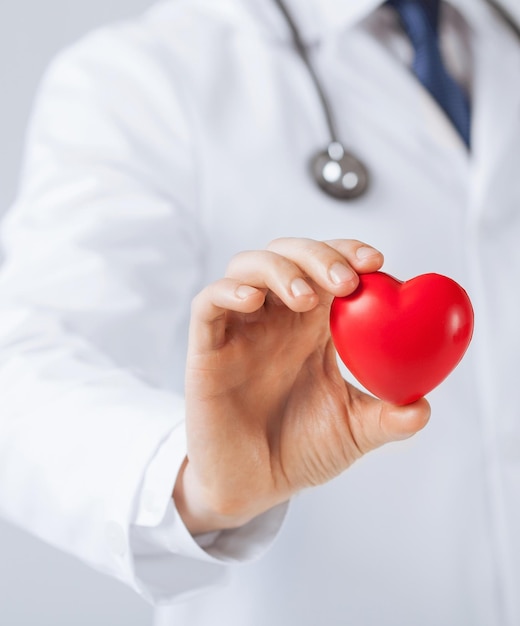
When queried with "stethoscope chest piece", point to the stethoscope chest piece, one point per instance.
{"points": [[339, 173]]}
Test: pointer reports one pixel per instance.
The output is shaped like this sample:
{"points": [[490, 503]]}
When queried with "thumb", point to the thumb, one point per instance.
{"points": [[377, 422]]}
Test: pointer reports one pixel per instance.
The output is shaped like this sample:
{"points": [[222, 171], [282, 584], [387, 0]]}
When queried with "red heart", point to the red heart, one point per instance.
{"points": [[401, 339]]}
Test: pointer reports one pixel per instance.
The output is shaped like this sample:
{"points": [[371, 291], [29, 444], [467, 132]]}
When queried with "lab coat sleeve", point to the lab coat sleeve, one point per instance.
{"points": [[103, 253]]}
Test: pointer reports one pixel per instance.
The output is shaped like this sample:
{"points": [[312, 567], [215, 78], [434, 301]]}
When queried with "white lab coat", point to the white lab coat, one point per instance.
{"points": [[160, 147]]}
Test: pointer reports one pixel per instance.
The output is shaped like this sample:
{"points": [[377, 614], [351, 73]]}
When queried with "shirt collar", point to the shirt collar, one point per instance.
{"points": [[318, 19]]}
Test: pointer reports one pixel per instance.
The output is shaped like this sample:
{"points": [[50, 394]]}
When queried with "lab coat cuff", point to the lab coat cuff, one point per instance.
{"points": [[239, 545], [159, 478], [159, 526], [249, 542]]}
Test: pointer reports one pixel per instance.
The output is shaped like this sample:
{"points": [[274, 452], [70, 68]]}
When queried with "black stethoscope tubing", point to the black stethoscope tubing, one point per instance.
{"points": [[338, 172]]}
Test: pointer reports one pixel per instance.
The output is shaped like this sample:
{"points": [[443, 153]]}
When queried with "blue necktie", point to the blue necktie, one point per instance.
{"points": [[420, 20]]}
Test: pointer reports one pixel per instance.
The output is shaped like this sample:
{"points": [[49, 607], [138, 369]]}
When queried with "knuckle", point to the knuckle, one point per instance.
{"points": [[299, 249], [277, 243], [344, 243], [282, 243], [200, 299], [254, 261], [315, 250], [236, 262], [207, 295], [354, 244]]}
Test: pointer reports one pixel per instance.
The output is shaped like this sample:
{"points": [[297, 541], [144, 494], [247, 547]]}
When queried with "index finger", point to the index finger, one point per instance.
{"points": [[333, 265]]}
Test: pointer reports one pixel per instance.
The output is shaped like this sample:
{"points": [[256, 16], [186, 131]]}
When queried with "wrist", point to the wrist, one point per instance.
{"points": [[198, 516]]}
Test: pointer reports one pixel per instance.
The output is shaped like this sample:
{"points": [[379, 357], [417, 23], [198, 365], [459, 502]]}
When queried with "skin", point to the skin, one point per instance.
{"points": [[267, 411]]}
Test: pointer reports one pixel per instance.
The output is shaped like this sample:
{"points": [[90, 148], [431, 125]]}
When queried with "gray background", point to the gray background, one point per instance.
{"points": [[40, 586]]}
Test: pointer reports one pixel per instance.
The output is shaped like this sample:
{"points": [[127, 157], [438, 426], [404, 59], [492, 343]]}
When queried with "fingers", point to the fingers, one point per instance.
{"points": [[287, 265], [291, 269], [362, 257], [331, 263], [209, 308], [281, 276]]}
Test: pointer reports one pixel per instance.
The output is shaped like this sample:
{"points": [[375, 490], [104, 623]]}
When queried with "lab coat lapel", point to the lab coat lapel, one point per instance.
{"points": [[496, 100]]}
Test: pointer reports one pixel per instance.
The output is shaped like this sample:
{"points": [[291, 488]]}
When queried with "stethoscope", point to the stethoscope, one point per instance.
{"points": [[337, 171]]}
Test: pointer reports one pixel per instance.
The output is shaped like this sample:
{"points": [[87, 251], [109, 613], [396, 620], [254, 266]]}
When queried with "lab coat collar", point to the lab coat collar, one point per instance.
{"points": [[318, 19]]}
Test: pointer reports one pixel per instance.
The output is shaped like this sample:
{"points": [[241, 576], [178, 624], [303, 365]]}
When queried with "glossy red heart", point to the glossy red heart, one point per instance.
{"points": [[401, 339]]}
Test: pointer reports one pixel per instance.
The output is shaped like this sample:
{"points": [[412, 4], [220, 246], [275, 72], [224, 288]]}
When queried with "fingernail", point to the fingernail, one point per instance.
{"points": [[340, 273], [365, 252], [300, 288], [244, 291]]}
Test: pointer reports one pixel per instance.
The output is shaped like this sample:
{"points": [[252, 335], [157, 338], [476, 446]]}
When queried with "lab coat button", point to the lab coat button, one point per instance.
{"points": [[116, 538]]}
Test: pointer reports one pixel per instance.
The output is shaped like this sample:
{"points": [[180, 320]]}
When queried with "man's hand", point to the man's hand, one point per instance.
{"points": [[268, 413]]}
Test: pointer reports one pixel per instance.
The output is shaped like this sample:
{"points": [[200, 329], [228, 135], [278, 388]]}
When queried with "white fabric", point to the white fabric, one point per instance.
{"points": [[160, 147]]}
